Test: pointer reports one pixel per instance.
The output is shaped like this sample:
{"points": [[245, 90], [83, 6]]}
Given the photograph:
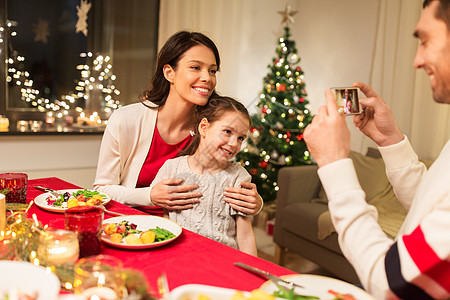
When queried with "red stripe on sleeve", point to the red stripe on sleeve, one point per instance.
{"points": [[426, 259]]}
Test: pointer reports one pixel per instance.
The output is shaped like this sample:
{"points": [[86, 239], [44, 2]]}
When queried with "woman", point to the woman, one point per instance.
{"points": [[140, 137]]}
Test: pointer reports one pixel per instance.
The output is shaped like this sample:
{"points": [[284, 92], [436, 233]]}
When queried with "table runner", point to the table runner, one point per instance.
{"points": [[190, 259]]}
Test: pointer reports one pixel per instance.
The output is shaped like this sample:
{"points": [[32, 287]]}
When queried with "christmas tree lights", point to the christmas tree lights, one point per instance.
{"points": [[276, 138]]}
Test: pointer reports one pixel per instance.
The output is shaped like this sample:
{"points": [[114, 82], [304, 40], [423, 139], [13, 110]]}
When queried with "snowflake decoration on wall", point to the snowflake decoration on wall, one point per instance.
{"points": [[41, 31], [82, 11]]}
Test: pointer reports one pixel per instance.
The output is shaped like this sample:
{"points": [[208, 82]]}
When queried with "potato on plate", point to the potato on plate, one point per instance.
{"points": [[132, 239], [148, 237]]}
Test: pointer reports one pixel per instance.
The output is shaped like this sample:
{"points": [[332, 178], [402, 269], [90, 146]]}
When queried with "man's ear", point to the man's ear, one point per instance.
{"points": [[203, 127], [169, 73]]}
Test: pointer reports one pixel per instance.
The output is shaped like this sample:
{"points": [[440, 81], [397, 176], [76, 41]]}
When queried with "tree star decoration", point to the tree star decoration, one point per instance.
{"points": [[41, 31], [288, 15], [82, 11]]}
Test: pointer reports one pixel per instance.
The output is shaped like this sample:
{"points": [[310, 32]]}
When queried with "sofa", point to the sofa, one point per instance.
{"points": [[302, 220]]}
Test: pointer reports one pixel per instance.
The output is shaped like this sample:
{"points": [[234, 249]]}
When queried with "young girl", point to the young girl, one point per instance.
{"points": [[221, 127], [140, 137]]}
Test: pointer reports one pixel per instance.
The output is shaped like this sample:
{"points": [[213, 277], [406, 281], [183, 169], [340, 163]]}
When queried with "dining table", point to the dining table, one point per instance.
{"points": [[189, 259]]}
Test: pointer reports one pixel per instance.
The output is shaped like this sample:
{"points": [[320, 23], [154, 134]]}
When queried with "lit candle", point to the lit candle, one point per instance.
{"points": [[97, 293], [22, 125], [4, 123], [58, 247], [2, 212]]}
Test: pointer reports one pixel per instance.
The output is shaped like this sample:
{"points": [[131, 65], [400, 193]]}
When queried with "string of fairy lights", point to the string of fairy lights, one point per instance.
{"points": [[97, 76]]}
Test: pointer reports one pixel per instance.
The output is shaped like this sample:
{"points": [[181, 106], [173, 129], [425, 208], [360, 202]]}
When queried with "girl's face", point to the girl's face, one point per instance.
{"points": [[222, 139], [194, 78]]}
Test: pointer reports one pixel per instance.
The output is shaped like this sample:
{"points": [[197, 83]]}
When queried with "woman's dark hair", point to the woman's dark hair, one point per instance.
{"points": [[216, 107], [170, 54], [443, 11]]}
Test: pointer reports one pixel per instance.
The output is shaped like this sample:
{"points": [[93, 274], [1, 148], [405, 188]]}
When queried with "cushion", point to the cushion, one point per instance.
{"points": [[371, 175]]}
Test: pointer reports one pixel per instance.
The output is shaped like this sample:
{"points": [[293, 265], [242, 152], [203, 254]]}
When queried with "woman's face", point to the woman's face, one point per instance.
{"points": [[194, 78]]}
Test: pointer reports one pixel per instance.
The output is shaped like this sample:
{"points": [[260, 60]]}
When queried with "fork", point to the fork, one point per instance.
{"points": [[163, 287]]}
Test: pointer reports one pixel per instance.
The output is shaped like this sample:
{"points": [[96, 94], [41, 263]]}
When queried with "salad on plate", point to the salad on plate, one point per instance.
{"points": [[70, 199]]}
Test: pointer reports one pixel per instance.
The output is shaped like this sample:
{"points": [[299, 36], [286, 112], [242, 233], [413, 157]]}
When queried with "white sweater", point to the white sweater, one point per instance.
{"points": [[124, 147], [416, 265]]}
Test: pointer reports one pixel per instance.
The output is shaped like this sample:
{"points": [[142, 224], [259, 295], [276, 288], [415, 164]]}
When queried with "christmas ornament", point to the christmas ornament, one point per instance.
{"points": [[287, 15], [274, 154], [263, 164], [253, 172], [82, 11], [281, 87], [282, 160], [41, 31], [293, 58], [279, 125]]}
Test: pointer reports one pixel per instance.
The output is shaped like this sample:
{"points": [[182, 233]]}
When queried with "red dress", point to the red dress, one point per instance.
{"points": [[159, 152]]}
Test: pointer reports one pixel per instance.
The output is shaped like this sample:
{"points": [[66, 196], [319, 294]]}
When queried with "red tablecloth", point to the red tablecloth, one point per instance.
{"points": [[191, 258]]}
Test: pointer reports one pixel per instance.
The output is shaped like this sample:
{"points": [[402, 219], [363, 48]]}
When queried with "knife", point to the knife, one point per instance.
{"points": [[53, 192], [267, 275]]}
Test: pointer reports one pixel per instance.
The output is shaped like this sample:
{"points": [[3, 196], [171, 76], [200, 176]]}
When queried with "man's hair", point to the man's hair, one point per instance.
{"points": [[443, 11]]}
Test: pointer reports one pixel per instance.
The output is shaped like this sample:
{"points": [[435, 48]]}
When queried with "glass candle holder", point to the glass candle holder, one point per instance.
{"points": [[2, 214], [14, 187], [99, 277], [35, 125], [4, 123], [86, 221], [58, 247], [22, 125]]}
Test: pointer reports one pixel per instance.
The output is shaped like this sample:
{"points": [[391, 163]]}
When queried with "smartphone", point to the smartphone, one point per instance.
{"points": [[347, 100]]}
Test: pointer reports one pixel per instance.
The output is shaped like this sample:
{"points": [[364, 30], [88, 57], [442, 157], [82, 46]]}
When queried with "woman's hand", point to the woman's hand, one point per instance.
{"points": [[171, 194], [245, 199]]}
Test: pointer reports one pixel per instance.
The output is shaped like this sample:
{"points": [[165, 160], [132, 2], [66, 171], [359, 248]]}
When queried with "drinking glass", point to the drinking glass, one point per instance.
{"points": [[99, 276], [86, 221], [14, 187]]}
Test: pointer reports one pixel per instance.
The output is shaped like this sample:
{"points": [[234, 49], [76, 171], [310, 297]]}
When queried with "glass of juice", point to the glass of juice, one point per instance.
{"points": [[14, 187], [86, 221]]}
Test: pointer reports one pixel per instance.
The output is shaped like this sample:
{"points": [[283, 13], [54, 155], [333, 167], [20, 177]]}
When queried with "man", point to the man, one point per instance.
{"points": [[416, 265]]}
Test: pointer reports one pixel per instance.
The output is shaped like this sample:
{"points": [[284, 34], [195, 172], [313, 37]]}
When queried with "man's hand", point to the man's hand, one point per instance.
{"points": [[377, 120], [172, 195], [328, 137]]}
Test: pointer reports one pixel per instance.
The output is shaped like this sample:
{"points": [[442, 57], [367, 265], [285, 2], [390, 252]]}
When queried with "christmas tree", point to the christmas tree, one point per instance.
{"points": [[276, 138]]}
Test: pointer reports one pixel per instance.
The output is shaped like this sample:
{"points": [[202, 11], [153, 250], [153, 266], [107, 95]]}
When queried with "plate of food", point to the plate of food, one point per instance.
{"points": [[202, 292], [70, 198], [23, 280], [321, 287], [139, 231]]}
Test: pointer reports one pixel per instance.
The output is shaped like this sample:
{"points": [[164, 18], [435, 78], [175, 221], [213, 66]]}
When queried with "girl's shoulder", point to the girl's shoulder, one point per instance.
{"points": [[178, 162], [236, 167]]}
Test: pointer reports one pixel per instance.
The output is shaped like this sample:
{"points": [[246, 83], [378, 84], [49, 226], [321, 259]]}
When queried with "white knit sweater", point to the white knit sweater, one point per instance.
{"points": [[416, 265]]}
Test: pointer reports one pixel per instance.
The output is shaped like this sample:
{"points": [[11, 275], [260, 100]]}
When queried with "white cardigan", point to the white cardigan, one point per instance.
{"points": [[125, 145]]}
